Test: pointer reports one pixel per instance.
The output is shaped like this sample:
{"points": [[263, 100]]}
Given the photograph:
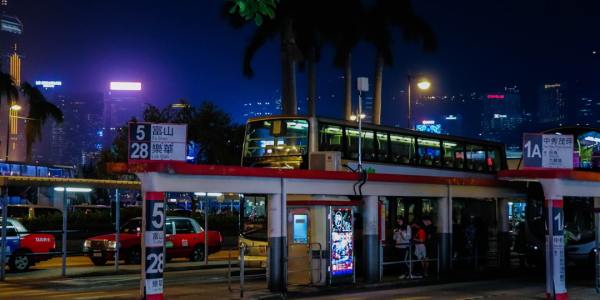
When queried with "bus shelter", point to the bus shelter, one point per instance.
{"points": [[285, 190], [558, 185]]}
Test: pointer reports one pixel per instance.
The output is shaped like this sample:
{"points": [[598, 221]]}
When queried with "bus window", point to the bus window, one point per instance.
{"points": [[454, 155], [368, 144], [277, 144], [475, 158], [429, 152], [493, 160], [254, 218], [382, 147], [330, 138], [402, 148]]}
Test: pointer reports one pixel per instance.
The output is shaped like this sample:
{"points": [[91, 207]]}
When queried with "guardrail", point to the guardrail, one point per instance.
{"points": [[242, 250], [409, 261]]}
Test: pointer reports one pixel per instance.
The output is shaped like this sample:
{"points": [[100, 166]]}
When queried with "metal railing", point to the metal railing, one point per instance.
{"points": [[409, 260], [242, 250]]}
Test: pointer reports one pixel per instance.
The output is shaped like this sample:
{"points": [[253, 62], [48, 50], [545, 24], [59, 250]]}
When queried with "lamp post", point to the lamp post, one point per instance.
{"points": [[362, 85], [422, 84], [14, 107]]}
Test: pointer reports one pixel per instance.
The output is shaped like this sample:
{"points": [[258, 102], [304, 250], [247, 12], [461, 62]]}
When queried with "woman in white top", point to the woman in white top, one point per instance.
{"points": [[402, 237]]}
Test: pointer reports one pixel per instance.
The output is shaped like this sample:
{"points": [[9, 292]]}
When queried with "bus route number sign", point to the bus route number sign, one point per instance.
{"points": [[154, 241], [149, 141]]}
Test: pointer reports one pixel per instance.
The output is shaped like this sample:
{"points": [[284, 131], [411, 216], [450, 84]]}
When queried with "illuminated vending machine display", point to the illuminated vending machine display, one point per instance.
{"points": [[341, 264]]}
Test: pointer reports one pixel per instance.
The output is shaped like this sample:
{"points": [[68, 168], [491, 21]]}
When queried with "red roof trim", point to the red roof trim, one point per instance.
{"points": [[221, 170], [551, 174]]}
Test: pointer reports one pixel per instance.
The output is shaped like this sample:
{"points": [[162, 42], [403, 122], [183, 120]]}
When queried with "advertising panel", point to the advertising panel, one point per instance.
{"points": [[342, 245]]}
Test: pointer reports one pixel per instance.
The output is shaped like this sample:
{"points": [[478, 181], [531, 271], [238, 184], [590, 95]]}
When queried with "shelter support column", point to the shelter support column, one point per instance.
{"points": [[371, 242], [503, 233], [444, 225], [597, 226], [277, 243]]}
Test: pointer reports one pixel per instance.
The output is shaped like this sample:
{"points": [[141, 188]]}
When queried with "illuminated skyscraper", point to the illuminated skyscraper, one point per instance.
{"points": [[122, 101], [552, 105]]}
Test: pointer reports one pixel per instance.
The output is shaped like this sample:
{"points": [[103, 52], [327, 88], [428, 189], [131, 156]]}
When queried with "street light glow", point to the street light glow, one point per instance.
{"points": [[424, 84], [354, 117], [15, 107]]}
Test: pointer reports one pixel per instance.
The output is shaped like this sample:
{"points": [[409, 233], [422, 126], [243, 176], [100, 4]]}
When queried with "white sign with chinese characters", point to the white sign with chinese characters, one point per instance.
{"points": [[557, 151], [157, 141], [548, 151]]}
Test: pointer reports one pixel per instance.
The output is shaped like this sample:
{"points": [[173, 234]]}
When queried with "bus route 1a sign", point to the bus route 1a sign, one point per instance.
{"points": [[547, 151], [149, 141]]}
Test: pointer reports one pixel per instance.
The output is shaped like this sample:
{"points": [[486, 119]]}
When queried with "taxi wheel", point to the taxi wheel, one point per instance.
{"points": [[134, 257], [198, 253], [20, 262], [99, 261]]}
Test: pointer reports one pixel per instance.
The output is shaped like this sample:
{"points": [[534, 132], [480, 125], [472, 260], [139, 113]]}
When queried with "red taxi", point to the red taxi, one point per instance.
{"points": [[25, 249], [184, 238]]}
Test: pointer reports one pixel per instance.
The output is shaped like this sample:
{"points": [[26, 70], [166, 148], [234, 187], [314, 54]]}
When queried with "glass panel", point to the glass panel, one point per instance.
{"points": [[254, 222], [276, 144], [18, 212], [183, 227], [382, 143], [169, 227], [454, 155], [429, 152], [402, 148], [330, 138], [133, 226], [475, 158], [368, 144]]}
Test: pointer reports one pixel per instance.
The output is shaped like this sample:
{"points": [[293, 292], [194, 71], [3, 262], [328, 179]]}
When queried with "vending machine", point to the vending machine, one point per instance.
{"points": [[341, 265]]}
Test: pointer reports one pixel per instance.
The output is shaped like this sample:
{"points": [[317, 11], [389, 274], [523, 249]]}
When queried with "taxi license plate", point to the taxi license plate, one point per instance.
{"points": [[97, 254]]}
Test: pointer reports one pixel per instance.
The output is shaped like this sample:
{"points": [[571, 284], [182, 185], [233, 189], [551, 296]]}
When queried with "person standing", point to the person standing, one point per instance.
{"points": [[402, 235], [420, 250], [430, 232]]}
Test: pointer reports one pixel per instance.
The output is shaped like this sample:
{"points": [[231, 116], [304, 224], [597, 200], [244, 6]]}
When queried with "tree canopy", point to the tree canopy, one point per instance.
{"points": [[211, 133]]}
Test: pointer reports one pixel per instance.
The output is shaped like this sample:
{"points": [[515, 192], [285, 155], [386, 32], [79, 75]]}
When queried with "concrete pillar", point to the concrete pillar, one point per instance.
{"points": [[597, 227], [277, 243], [503, 245], [371, 242], [444, 227], [555, 244]]}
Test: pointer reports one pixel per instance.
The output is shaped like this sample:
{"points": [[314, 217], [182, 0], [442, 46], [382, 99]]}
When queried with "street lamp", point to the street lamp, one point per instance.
{"points": [[422, 84], [15, 108]]}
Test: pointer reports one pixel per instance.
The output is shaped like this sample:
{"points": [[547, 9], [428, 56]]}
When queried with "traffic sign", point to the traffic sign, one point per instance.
{"points": [[552, 151], [149, 141]]}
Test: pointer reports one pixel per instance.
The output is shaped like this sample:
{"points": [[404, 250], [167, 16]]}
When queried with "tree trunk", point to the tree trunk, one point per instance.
{"points": [[288, 71], [348, 87], [312, 84], [377, 90]]}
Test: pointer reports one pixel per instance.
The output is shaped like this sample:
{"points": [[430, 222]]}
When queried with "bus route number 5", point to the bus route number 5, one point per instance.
{"points": [[139, 140]]}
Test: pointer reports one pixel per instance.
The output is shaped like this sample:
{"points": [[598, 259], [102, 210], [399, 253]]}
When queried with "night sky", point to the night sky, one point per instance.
{"points": [[183, 49]]}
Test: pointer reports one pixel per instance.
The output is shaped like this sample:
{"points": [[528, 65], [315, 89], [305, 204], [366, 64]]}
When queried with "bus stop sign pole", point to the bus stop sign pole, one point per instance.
{"points": [[153, 249]]}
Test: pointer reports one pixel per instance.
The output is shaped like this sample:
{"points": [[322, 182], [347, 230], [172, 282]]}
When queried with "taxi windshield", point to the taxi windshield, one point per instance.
{"points": [[133, 226]]}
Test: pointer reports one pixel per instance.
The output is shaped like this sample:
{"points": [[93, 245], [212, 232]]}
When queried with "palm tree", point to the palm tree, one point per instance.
{"points": [[281, 25], [8, 89], [380, 19], [39, 112]]}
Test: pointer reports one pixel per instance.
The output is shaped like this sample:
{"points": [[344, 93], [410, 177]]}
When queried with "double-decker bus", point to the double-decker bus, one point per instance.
{"points": [[288, 142]]}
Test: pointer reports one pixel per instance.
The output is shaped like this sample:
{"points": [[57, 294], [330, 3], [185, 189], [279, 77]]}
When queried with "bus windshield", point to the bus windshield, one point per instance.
{"points": [[254, 218], [277, 144]]}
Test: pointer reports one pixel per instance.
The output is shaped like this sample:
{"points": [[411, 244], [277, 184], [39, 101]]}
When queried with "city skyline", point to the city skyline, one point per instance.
{"points": [[175, 60]]}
